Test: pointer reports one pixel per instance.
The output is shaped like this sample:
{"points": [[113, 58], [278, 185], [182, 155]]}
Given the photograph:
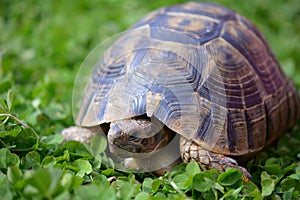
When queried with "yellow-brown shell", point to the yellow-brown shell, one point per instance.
{"points": [[203, 70]]}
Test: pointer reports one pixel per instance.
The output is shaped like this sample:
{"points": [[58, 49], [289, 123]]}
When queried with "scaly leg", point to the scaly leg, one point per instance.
{"points": [[80, 134], [190, 151]]}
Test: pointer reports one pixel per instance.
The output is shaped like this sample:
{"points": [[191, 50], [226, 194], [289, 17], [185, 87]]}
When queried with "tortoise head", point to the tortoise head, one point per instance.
{"points": [[138, 135]]}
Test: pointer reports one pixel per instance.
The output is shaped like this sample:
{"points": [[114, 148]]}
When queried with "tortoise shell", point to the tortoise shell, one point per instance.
{"points": [[203, 70]]}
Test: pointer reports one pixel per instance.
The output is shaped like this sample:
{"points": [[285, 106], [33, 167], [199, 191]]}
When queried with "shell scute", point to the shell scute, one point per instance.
{"points": [[204, 71]]}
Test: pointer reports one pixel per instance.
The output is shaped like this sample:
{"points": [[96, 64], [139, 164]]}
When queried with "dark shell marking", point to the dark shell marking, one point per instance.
{"points": [[244, 101]]}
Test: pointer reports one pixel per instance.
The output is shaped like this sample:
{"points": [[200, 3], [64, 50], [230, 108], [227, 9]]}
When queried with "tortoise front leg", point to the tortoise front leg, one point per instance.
{"points": [[81, 134], [190, 151]]}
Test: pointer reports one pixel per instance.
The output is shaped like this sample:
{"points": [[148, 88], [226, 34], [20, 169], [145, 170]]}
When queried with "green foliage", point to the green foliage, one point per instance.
{"points": [[42, 44]]}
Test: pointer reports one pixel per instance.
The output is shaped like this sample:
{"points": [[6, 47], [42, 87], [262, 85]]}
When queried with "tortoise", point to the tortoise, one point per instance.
{"points": [[198, 70]]}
